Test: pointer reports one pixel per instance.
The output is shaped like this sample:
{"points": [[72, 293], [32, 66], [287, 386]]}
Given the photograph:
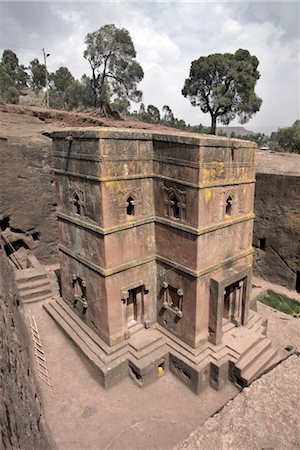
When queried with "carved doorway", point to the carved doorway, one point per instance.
{"points": [[135, 307], [234, 302], [229, 300]]}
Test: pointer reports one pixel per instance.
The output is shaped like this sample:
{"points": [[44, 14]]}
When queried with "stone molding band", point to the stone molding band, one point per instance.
{"points": [[154, 176], [155, 219], [158, 258]]}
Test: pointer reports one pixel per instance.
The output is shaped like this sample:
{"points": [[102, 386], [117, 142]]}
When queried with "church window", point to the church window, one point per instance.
{"points": [[130, 206]]}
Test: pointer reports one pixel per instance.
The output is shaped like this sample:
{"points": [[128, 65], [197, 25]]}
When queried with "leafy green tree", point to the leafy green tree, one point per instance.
{"points": [[22, 77], [60, 82], [12, 95], [37, 75], [11, 61], [180, 123], [61, 79], [111, 55], [168, 116], [8, 91], [153, 114], [287, 139], [121, 105], [16, 72], [223, 86], [75, 95]]}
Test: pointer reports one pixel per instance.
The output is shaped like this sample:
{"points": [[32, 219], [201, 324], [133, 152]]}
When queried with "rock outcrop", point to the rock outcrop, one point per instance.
{"points": [[27, 194], [21, 423], [263, 416], [277, 229]]}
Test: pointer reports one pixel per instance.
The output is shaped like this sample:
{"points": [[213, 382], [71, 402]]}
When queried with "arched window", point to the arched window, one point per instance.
{"points": [[79, 287], [228, 206], [174, 207], [130, 206], [77, 203]]}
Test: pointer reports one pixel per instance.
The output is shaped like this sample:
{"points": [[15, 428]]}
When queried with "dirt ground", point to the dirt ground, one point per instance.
{"points": [[79, 412], [83, 416], [264, 416], [278, 163], [59, 118]]}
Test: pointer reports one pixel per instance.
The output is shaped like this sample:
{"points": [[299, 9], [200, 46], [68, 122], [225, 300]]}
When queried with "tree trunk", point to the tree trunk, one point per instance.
{"points": [[213, 127]]}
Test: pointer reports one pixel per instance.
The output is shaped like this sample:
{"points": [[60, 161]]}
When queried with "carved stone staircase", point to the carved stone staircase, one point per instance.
{"points": [[243, 355], [33, 285], [255, 352], [139, 353]]}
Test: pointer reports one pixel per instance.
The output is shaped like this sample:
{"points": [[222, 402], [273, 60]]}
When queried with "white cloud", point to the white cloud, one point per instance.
{"points": [[168, 36]]}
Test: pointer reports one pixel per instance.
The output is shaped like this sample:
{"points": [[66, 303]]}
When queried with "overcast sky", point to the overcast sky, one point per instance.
{"points": [[167, 37]]}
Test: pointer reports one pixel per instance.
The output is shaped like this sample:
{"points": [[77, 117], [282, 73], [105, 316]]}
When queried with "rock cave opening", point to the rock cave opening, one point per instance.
{"points": [[262, 243], [11, 248], [298, 282]]}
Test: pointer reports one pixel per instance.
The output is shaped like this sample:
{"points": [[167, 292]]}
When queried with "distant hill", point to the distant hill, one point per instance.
{"points": [[238, 131]]}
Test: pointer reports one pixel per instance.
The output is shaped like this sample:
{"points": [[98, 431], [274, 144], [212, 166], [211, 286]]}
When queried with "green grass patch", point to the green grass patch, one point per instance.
{"points": [[280, 302]]}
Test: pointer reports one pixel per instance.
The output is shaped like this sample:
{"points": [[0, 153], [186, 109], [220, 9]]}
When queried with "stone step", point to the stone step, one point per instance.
{"points": [[67, 322], [35, 293], [229, 353], [40, 283], [227, 326], [111, 369], [144, 349], [259, 366], [85, 333], [86, 329], [251, 355], [241, 340], [81, 344], [23, 277], [37, 299], [253, 320]]}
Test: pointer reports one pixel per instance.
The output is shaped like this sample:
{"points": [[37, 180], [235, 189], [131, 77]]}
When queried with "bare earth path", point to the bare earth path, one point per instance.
{"points": [[83, 416], [264, 416]]}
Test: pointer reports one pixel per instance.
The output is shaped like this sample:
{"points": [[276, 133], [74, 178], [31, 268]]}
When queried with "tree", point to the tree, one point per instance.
{"points": [[110, 53], [223, 86], [22, 77], [287, 139], [168, 116], [60, 82], [153, 114], [16, 72], [8, 91], [38, 75], [61, 79], [11, 61]]}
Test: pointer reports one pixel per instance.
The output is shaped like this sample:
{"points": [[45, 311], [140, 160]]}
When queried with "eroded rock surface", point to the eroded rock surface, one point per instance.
{"points": [[264, 416], [27, 194], [277, 229], [20, 413]]}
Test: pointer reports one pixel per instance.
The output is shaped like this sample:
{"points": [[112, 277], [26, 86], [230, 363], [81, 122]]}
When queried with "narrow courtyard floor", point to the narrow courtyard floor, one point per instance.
{"points": [[81, 415]]}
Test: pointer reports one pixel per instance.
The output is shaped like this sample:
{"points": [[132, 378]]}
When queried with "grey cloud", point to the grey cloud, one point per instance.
{"points": [[284, 14], [31, 24]]}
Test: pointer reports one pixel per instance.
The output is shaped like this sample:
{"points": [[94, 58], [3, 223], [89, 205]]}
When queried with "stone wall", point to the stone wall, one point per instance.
{"points": [[277, 229], [20, 413], [27, 194]]}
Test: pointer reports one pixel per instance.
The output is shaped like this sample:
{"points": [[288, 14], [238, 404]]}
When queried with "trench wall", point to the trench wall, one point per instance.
{"points": [[21, 424], [276, 237]]}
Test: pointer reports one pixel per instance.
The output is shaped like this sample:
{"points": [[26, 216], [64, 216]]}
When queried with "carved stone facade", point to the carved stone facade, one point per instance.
{"points": [[155, 237]]}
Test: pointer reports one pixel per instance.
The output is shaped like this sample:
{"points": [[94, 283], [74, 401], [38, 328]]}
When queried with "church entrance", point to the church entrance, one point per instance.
{"points": [[135, 306], [229, 300], [234, 302]]}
